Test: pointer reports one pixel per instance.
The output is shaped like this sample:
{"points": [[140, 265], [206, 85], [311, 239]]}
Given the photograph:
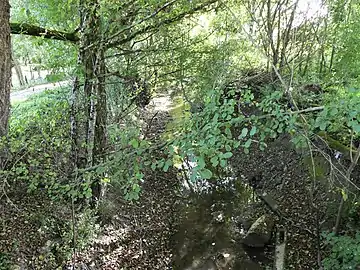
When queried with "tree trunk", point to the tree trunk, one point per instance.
{"points": [[88, 108], [19, 73], [5, 72], [100, 138], [82, 102]]}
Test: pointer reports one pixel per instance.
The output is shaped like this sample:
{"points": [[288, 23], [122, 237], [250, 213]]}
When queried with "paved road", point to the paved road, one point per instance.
{"points": [[160, 103], [23, 95]]}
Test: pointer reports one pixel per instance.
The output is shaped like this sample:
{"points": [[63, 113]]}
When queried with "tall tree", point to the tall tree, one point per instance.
{"points": [[5, 70]]}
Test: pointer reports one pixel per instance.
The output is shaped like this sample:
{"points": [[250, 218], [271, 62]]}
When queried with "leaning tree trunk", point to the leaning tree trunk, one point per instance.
{"points": [[5, 72]]}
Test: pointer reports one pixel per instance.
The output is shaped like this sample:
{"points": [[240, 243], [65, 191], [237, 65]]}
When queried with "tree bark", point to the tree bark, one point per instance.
{"points": [[100, 136], [89, 110], [5, 73]]}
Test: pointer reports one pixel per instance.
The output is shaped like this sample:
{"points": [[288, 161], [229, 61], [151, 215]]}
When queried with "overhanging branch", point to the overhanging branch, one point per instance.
{"points": [[36, 31], [112, 42], [174, 19]]}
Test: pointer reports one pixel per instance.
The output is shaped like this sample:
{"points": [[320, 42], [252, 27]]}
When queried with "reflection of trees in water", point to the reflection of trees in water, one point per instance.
{"points": [[205, 230]]}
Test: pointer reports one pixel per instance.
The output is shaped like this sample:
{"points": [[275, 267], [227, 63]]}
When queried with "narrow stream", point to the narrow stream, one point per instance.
{"points": [[212, 225]]}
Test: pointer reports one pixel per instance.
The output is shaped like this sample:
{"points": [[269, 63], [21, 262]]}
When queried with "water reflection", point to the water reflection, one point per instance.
{"points": [[211, 227]]}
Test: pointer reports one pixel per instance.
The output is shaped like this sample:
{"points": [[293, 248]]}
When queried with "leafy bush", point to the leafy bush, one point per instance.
{"points": [[341, 113], [345, 252], [125, 166], [39, 143], [210, 136]]}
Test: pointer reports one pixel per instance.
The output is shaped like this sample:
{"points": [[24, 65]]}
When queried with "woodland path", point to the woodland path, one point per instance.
{"points": [[137, 237]]}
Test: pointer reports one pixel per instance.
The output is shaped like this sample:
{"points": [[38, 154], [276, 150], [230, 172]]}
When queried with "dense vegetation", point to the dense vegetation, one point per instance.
{"points": [[241, 76]]}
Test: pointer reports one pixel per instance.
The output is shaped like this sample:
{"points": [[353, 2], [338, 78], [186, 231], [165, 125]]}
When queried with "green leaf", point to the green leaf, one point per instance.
{"points": [[344, 195], [168, 163], [247, 143], [200, 163], [223, 163], [134, 143], [356, 127], [244, 132], [206, 174], [227, 155], [214, 161], [153, 166], [228, 131], [323, 125], [253, 131], [334, 111], [105, 180], [100, 170]]}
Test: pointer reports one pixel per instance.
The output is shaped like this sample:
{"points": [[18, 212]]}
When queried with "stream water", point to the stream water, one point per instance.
{"points": [[212, 225]]}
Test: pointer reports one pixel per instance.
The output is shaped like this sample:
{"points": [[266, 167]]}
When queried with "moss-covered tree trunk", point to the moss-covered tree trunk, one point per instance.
{"points": [[5, 72], [83, 95], [89, 110]]}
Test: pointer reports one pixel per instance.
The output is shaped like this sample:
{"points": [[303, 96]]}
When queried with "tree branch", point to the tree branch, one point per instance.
{"points": [[36, 31], [110, 43]]}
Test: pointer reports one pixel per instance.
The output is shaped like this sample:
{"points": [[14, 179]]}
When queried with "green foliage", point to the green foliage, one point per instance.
{"points": [[209, 138], [55, 56], [131, 156], [4, 261], [39, 145], [342, 114], [345, 252]]}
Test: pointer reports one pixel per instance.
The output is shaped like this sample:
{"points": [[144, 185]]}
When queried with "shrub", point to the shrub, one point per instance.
{"points": [[345, 252]]}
